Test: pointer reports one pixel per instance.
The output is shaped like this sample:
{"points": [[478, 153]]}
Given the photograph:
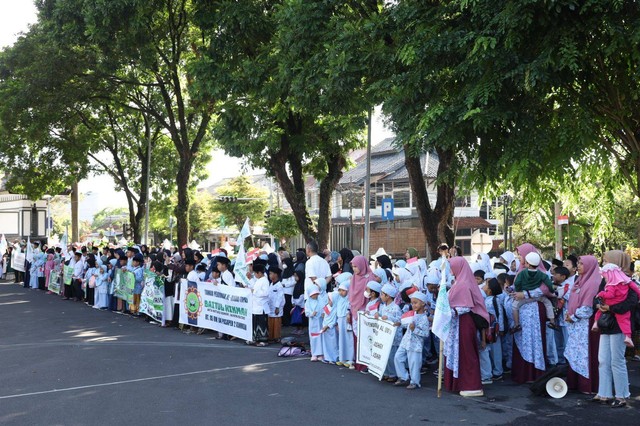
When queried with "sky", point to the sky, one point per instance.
{"points": [[98, 191]]}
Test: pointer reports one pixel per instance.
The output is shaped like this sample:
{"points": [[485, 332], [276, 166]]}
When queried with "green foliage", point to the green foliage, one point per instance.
{"points": [[236, 212], [281, 225], [201, 215], [109, 217]]}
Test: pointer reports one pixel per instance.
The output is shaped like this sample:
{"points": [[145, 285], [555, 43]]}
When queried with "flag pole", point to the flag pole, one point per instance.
{"points": [[440, 362]]}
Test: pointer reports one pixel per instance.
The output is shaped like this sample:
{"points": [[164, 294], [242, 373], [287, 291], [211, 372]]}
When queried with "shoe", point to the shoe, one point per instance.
{"points": [[506, 371], [392, 379], [597, 400], [261, 344], [496, 378], [400, 382], [412, 387], [351, 366], [618, 403], [339, 364], [314, 359], [248, 342], [472, 393], [487, 382], [365, 371]]}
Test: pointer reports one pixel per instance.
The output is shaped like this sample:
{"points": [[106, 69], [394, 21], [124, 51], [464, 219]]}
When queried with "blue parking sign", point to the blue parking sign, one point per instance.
{"points": [[387, 208]]}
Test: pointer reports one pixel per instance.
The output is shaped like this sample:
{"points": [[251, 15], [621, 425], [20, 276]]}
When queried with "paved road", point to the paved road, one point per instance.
{"points": [[62, 363]]}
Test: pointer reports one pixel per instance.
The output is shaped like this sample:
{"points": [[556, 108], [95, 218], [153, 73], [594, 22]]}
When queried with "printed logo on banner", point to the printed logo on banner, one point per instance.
{"points": [[193, 303]]}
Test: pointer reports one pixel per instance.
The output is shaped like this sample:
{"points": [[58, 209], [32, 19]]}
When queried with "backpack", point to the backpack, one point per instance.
{"points": [[287, 351]]}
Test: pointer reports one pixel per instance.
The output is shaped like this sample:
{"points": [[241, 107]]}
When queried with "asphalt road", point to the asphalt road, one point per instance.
{"points": [[62, 363]]}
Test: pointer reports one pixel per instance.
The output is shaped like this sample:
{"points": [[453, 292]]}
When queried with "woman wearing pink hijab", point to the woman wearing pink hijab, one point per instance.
{"points": [[581, 350], [362, 274], [529, 351], [462, 361], [48, 267]]}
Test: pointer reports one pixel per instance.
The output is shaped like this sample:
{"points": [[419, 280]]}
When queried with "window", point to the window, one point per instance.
{"points": [[401, 199], [465, 246], [463, 201]]}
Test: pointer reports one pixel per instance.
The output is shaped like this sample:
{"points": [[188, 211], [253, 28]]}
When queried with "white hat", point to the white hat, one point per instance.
{"points": [[533, 259], [380, 252], [420, 296]]}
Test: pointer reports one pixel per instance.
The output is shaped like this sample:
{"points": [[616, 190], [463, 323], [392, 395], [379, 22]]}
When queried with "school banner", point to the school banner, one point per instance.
{"points": [[152, 297], [375, 339], [124, 282], [17, 261], [217, 307], [54, 282], [68, 274]]}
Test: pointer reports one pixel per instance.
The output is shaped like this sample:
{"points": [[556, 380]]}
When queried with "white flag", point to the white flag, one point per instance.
{"points": [[240, 269], [64, 242], [442, 316], [244, 232], [29, 254], [3, 245]]}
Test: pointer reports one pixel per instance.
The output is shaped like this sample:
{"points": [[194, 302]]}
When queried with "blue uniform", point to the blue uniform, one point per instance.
{"points": [[409, 355]]}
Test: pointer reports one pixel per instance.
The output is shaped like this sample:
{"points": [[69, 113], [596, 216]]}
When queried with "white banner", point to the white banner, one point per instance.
{"points": [[375, 338], [17, 261], [217, 307], [152, 297]]}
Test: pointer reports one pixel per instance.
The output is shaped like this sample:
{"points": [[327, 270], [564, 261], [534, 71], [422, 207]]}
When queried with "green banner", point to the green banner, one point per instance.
{"points": [[124, 284], [54, 282], [152, 297], [68, 274]]}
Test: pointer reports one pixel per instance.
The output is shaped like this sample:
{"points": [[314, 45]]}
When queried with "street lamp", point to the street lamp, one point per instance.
{"points": [[47, 225]]}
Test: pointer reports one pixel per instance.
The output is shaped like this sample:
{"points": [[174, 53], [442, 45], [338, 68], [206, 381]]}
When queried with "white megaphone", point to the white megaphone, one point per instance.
{"points": [[557, 388]]}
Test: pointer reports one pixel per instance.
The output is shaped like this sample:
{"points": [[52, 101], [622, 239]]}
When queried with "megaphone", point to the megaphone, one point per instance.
{"points": [[557, 388]]}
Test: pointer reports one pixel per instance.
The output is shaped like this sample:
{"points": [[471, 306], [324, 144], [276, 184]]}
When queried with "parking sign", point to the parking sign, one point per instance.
{"points": [[387, 208]]}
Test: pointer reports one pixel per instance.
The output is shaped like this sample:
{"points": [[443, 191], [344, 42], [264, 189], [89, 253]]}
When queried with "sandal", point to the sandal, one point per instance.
{"points": [[619, 403]]}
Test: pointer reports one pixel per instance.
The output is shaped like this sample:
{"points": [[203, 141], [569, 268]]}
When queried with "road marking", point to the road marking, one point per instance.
{"points": [[164, 344], [146, 379]]}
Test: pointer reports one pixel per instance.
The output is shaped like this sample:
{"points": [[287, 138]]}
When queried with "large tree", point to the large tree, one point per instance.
{"points": [[283, 109], [144, 49]]}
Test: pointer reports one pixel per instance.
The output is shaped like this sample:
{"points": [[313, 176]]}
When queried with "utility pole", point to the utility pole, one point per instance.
{"points": [[75, 224], [367, 194]]}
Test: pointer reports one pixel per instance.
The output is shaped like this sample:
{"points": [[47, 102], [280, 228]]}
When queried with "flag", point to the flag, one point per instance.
{"points": [[240, 268], [64, 243], [253, 255], [327, 310], [374, 307], [407, 317], [442, 315], [29, 254], [244, 232], [3, 245]]}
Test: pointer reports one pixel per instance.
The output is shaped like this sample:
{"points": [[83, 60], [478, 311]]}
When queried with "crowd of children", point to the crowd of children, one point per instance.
{"points": [[321, 289]]}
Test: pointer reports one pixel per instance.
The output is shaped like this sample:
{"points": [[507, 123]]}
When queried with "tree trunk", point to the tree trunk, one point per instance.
{"points": [[182, 208], [335, 164], [436, 222], [75, 224]]}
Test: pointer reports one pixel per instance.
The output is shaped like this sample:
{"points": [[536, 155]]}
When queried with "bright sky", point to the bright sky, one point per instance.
{"points": [[15, 17]]}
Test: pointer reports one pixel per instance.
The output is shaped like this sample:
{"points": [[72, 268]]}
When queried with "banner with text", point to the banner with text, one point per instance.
{"points": [[217, 307], [54, 282], [375, 338], [152, 297], [124, 282], [17, 261], [68, 275]]}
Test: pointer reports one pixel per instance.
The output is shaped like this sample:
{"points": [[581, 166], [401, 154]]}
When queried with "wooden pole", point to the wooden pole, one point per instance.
{"points": [[440, 366]]}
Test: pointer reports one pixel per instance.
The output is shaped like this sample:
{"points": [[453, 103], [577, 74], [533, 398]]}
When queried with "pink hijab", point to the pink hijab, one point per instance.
{"points": [[465, 292], [359, 285], [48, 267], [524, 250], [586, 286]]}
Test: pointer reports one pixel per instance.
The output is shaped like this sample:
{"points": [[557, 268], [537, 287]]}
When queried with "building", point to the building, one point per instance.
{"points": [[20, 217], [389, 179]]}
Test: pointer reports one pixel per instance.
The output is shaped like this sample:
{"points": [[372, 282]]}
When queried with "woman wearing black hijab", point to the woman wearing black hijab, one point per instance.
{"points": [[288, 282], [346, 256], [301, 259]]}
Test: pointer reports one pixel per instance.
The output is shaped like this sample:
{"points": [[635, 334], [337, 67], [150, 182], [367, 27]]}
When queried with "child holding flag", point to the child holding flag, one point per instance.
{"points": [[409, 354], [373, 294], [391, 312]]}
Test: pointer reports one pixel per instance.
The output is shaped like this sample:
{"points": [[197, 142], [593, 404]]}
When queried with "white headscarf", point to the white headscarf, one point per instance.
{"points": [[485, 262]]}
